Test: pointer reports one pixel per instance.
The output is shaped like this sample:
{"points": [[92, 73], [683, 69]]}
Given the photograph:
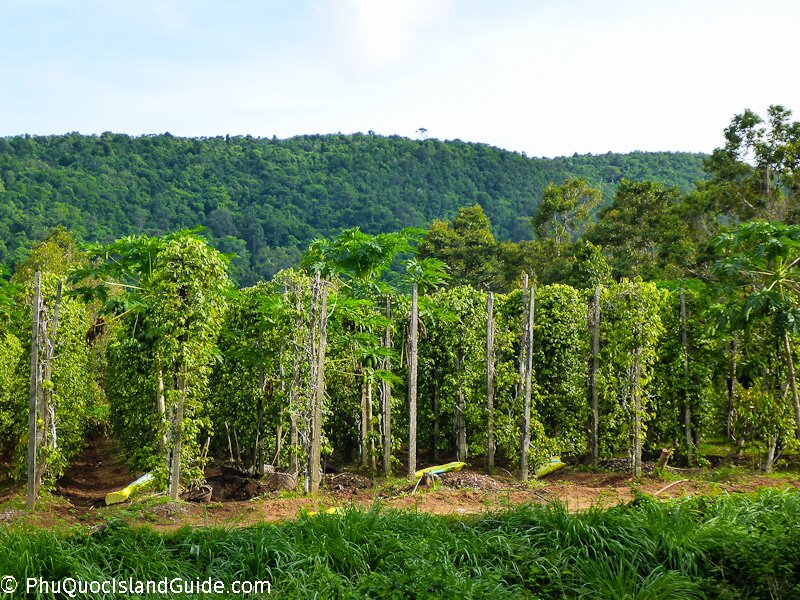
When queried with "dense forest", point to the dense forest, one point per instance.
{"points": [[264, 200]]}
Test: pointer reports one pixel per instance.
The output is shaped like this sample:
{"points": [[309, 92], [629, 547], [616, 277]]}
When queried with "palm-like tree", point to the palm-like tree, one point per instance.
{"points": [[763, 259]]}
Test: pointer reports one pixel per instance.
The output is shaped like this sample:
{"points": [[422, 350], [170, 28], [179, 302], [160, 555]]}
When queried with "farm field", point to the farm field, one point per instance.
{"points": [[282, 428], [699, 534], [78, 498]]}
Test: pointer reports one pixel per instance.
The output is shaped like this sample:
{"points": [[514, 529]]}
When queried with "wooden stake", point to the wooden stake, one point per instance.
{"points": [[524, 337], [461, 407], [687, 409], [490, 383], [33, 488], [595, 425], [527, 389], [386, 396], [637, 412], [413, 333], [315, 462]]}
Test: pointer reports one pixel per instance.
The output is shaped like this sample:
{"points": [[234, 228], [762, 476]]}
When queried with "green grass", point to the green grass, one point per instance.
{"points": [[731, 546]]}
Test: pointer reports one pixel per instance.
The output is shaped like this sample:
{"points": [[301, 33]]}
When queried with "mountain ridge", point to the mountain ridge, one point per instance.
{"points": [[264, 199]]}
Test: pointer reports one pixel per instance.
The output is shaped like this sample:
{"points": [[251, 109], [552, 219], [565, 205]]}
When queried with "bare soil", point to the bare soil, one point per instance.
{"points": [[79, 496]]}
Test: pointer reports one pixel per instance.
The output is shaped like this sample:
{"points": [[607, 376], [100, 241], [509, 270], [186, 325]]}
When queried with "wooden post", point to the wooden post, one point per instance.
{"points": [[177, 429], [294, 441], [161, 408], [595, 425], [637, 412], [319, 388], [731, 390], [413, 333], [276, 461], [364, 418], [47, 436], [370, 437], [386, 396], [527, 389], [33, 488], [436, 421], [490, 383], [461, 408], [792, 382], [687, 409], [524, 337], [258, 458]]}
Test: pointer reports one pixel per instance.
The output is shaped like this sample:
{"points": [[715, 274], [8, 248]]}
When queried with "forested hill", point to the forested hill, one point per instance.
{"points": [[264, 199]]}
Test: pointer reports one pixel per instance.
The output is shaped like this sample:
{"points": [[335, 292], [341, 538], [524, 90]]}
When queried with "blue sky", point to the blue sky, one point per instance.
{"points": [[547, 78]]}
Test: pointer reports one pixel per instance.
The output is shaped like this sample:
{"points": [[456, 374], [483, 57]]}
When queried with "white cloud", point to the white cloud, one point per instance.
{"points": [[382, 32]]}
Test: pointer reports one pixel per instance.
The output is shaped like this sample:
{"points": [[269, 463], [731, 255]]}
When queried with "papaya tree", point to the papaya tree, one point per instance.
{"points": [[763, 259]]}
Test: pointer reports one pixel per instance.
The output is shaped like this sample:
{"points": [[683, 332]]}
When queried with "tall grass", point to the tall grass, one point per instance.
{"points": [[726, 547]]}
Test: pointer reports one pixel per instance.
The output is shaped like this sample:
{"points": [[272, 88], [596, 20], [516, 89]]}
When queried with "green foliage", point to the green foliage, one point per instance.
{"points": [[452, 362], [641, 231], [467, 246], [168, 295], [737, 546], [672, 388], [755, 174], [560, 345], [565, 211], [630, 330], [12, 383], [266, 199], [76, 399]]}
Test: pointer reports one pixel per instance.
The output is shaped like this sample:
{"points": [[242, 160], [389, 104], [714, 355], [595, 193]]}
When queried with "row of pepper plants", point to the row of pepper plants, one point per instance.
{"points": [[364, 355]]}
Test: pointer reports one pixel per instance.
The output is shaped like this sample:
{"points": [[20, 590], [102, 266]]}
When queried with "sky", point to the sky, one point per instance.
{"points": [[543, 77]]}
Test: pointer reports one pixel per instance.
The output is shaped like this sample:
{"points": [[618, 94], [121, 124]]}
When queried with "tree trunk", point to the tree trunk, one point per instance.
{"points": [[435, 444], [490, 383], [33, 487], [230, 443], [294, 415], [792, 382], [687, 409], [412, 384], [315, 464], [370, 437], [364, 433], [161, 407], [238, 453], [258, 458], [294, 463], [461, 408], [731, 390], [386, 396], [524, 337], [595, 425], [174, 488], [47, 409], [773, 442], [276, 461], [527, 389]]}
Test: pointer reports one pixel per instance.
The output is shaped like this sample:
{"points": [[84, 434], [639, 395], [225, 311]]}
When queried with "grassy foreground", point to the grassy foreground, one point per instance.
{"points": [[738, 546]]}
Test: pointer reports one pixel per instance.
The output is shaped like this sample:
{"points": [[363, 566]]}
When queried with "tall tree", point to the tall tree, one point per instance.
{"points": [[565, 211], [755, 174], [765, 258], [640, 231]]}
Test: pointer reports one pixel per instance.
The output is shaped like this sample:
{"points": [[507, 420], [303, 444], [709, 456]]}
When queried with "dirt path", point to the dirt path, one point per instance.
{"points": [[80, 495], [94, 473]]}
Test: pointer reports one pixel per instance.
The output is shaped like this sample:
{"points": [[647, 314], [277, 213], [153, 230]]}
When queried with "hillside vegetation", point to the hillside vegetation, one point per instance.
{"points": [[265, 199]]}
